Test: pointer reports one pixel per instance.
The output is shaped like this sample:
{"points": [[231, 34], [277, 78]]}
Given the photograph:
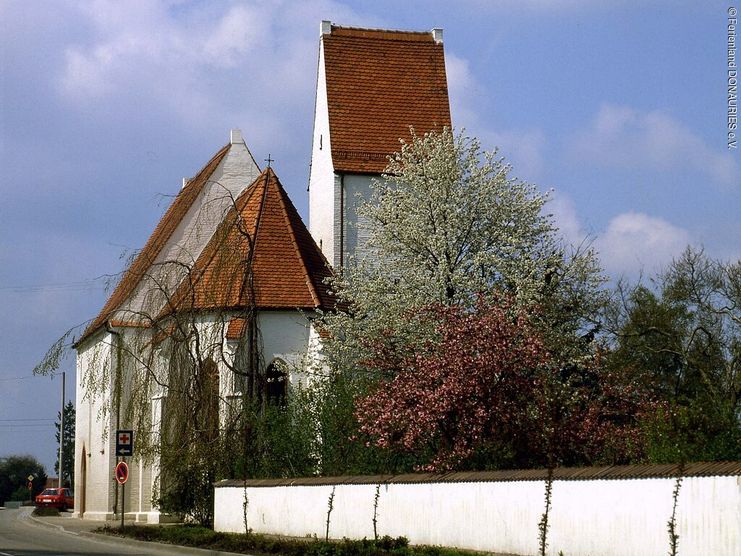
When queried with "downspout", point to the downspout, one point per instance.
{"points": [[116, 390], [342, 221]]}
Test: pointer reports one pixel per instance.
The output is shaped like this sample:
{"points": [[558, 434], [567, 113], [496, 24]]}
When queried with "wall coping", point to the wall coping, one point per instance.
{"points": [[611, 472]]}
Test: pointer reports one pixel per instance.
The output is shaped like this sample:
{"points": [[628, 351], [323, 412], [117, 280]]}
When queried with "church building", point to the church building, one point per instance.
{"points": [[232, 253]]}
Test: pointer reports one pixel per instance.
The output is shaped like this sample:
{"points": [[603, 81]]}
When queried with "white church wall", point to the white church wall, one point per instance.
{"points": [[621, 517], [285, 336], [316, 366], [236, 171], [93, 432], [322, 194]]}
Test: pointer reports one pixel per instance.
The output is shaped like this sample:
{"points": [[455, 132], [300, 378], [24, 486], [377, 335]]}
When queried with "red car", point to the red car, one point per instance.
{"points": [[61, 498]]}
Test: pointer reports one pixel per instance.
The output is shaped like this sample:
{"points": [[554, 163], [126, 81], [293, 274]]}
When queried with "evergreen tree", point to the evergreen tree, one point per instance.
{"points": [[68, 446]]}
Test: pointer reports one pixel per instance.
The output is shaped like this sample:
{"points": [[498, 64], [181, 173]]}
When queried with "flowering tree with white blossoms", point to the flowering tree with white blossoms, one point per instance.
{"points": [[449, 223]]}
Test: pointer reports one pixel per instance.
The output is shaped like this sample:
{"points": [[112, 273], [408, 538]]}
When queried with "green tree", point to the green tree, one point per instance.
{"points": [[14, 473], [683, 337], [68, 452]]}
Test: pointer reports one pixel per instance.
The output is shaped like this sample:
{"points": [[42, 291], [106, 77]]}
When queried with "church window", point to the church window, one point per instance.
{"points": [[277, 382]]}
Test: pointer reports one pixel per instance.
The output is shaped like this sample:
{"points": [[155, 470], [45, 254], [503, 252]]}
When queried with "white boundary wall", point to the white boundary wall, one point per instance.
{"points": [[614, 517]]}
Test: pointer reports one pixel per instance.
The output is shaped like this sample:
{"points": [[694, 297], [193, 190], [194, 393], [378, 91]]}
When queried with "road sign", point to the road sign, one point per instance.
{"points": [[124, 442], [122, 472], [31, 477]]}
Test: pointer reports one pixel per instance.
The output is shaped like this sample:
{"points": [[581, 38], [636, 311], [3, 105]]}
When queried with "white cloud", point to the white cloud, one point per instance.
{"points": [[622, 136], [634, 242], [463, 89], [240, 30], [206, 63]]}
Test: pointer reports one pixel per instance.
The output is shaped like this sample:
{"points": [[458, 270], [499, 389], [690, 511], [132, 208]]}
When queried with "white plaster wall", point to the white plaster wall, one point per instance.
{"points": [[285, 335], [322, 178], [94, 432], [609, 517], [316, 365]]}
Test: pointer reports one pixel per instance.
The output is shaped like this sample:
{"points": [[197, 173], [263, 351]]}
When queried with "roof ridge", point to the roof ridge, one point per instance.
{"points": [[266, 175], [282, 198], [384, 34], [608, 472], [210, 251]]}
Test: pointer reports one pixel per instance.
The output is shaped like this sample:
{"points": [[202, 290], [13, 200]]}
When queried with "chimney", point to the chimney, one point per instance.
{"points": [[437, 35], [236, 137], [325, 27]]}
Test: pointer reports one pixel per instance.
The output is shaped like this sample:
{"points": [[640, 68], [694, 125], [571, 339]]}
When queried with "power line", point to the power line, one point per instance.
{"points": [[17, 420], [28, 377], [29, 426], [70, 286]]}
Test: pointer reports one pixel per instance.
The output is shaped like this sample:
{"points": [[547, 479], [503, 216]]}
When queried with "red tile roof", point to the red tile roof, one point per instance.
{"points": [[159, 238], [265, 232], [236, 328], [378, 84]]}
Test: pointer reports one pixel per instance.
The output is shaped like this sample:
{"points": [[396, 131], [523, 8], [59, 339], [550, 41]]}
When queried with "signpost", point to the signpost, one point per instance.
{"points": [[124, 442], [30, 486], [124, 448], [122, 472], [122, 475]]}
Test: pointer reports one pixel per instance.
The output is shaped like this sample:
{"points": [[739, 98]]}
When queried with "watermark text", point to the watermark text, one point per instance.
{"points": [[732, 79]]}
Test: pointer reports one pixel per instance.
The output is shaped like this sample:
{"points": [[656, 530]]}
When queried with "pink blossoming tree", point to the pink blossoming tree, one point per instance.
{"points": [[489, 387]]}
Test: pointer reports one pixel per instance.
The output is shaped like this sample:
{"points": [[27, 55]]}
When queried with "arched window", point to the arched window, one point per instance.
{"points": [[277, 382]]}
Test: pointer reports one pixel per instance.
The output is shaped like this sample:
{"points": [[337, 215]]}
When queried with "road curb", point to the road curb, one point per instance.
{"points": [[180, 548], [135, 542], [30, 516]]}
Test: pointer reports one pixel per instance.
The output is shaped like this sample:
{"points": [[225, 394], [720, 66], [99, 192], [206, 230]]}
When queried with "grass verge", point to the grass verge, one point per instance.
{"points": [[45, 512], [201, 537]]}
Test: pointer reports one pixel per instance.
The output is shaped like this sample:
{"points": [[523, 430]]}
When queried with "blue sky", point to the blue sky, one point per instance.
{"points": [[619, 107]]}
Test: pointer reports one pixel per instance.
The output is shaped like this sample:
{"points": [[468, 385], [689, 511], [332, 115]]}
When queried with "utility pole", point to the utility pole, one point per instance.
{"points": [[61, 435]]}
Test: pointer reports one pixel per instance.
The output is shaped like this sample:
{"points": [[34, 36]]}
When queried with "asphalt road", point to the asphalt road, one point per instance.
{"points": [[21, 536]]}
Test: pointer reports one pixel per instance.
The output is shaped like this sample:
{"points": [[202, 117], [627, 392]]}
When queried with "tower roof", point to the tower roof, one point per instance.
{"points": [[261, 255], [379, 83]]}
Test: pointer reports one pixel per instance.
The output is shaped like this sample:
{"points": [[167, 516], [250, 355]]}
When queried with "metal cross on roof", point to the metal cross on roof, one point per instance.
{"points": [[269, 160]]}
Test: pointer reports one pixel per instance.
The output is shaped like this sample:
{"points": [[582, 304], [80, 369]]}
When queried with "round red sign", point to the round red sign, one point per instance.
{"points": [[122, 472]]}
